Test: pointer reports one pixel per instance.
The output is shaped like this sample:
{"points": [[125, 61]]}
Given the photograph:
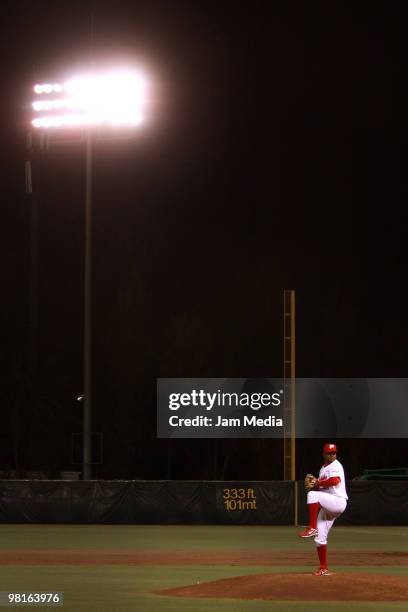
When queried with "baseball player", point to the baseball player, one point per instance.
{"points": [[326, 499]]}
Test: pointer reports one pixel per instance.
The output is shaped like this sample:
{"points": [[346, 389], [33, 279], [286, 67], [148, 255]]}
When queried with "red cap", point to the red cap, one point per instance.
{"points": [[330, 448]]}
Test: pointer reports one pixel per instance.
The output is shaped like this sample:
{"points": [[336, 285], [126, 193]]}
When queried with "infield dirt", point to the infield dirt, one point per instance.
{"points": [[180, 557]]}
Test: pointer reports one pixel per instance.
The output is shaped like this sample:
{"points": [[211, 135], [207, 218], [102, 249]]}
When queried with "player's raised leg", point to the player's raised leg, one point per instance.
{"points": [[313, 507]]}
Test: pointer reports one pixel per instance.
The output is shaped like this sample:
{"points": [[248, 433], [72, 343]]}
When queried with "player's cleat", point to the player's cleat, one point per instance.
{"points": [[323, 571], [309, 532]]}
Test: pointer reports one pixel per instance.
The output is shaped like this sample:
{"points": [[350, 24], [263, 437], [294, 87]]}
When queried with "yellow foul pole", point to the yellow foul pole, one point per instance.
{"points": [[289, 376]]}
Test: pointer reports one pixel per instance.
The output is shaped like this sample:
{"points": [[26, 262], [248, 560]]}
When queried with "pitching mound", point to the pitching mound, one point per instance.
{"points": [[300, 587]]}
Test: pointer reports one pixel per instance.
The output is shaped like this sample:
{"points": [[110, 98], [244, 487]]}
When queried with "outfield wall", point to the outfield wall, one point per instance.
{"points": [[191, 502], [371, 502]]}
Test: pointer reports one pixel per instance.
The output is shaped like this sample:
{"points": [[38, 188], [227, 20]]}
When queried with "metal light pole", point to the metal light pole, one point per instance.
{"points": [[87, 415], [33, 296]]}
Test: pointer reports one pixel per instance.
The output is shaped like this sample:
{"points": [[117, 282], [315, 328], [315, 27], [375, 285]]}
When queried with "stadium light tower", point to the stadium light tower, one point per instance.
{"points": [[110, 100]]}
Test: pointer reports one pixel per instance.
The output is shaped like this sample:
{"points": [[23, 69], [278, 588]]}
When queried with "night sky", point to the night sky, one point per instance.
{"points": [[273, 157]]}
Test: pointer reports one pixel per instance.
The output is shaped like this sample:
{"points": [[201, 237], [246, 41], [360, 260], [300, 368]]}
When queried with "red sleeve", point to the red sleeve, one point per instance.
{"points": [[329, 482]]}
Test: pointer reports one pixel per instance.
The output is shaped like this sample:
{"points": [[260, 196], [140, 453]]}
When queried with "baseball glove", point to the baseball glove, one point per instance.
{"points": [[310, 481]]}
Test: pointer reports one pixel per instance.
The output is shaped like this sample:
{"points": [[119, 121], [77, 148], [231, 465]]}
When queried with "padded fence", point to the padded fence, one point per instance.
{"points": [[190, 502], [370, 503], [154, 502]]}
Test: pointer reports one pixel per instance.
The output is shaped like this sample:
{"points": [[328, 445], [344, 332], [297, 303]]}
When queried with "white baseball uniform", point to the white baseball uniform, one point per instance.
{"points": [[333, 500]]}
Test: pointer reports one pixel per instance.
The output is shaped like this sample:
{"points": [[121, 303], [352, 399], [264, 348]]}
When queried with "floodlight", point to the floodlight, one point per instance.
{"points": [[113, 98]]}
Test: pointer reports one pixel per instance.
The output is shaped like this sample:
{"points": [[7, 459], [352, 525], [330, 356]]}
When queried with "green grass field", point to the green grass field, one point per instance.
{"points": [[119, 588]]}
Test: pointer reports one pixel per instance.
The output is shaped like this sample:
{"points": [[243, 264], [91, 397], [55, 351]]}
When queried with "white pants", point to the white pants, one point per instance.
{"points": [[331, 507]]}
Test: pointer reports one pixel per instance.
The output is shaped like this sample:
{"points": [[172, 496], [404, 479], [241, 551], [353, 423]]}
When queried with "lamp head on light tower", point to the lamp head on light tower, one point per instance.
{"points": [[115, 98]]}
